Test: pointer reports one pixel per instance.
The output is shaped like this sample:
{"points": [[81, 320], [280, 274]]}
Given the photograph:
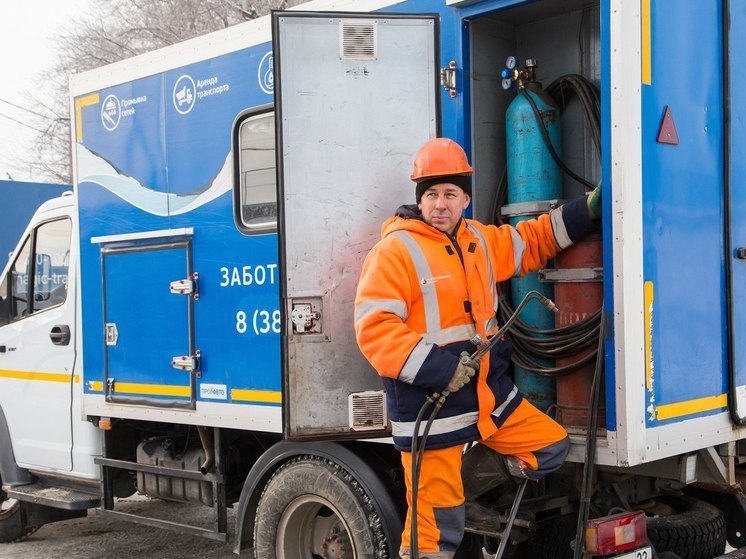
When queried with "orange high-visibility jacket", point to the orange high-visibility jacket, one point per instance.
{"points": [[423, 296]]}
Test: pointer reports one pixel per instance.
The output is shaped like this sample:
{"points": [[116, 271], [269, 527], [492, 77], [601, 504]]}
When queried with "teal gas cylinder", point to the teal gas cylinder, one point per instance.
{"points": [[533, 177]]}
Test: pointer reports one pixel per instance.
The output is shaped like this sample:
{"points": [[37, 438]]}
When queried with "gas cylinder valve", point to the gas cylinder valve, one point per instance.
{"points": [[513, 75]]}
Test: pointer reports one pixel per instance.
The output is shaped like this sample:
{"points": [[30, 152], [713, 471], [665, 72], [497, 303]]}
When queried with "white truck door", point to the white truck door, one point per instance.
{"points": [[356, 96], [37, 349]]}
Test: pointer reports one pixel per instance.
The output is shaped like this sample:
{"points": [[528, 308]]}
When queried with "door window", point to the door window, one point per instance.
{"points": [[48, 265], [19, 284]]}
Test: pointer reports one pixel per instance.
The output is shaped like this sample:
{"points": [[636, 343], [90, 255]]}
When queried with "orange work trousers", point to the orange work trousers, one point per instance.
{"points": [[528, 434]]}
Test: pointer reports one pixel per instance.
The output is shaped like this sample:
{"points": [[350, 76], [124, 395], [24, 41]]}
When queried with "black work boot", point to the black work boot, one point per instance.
{"points": [[482, 470]]}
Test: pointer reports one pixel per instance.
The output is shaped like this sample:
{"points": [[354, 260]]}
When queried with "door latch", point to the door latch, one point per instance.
{"points": [[303, 317], [188, 286], [190, 363], [111, 333]]}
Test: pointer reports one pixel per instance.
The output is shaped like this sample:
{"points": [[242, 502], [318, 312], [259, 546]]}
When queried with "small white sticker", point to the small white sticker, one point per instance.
{"points": [[213, 391]]}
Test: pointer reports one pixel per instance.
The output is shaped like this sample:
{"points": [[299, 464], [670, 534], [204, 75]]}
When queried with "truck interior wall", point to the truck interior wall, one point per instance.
{"points": [[564, 37]]}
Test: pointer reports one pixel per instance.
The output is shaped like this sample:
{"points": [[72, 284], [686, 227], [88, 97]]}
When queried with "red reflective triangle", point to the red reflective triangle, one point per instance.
{"points": [[667, 132]]}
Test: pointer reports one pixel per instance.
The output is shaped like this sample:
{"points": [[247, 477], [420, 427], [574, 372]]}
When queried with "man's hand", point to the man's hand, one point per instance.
{"points": [[461, 377], [594, 203]]}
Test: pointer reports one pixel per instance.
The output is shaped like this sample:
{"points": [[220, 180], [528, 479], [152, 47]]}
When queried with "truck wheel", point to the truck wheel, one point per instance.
{"points": [[12, 522], [686, 526], [311, 508]]}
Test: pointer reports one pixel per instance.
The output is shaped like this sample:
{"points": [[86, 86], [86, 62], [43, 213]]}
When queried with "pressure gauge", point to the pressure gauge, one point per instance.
{"points": [[511, 62], [507, 83]]}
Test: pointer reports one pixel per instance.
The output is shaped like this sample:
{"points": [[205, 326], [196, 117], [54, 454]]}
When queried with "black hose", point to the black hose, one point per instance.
{"points": [[544, 134], [418, 450], [533, 346], [590, 451]]}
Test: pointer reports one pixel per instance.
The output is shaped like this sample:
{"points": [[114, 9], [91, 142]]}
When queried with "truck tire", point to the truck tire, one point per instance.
{"points": [[12, 521], [312, 507], [688, 527]]}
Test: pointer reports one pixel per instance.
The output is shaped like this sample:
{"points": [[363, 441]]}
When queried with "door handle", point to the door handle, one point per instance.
{"points": [[60, 334], [741, 253]]}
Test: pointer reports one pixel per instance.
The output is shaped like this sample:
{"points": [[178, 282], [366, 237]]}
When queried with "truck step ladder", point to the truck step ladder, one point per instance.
{"points": [[492, 527], [217, 478], [505, 533]]}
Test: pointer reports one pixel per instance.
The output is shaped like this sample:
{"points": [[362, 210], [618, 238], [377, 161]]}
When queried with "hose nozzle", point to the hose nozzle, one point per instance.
{"points": [[547, 302]]}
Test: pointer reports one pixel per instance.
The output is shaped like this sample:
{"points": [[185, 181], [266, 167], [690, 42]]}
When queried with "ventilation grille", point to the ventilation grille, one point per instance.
{"points": [[358, 40], [367, 410]]}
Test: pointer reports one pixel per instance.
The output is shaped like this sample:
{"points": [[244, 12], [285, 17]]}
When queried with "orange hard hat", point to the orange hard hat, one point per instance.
{"points": [[440, 157]]}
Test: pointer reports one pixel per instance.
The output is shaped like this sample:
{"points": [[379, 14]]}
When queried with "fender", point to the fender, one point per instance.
{"points": [[10, 474], [364, 470]]}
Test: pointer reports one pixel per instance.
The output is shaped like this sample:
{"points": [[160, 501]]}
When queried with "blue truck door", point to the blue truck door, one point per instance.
{"points": [[150, 356], [736, 200], [356, 96]]}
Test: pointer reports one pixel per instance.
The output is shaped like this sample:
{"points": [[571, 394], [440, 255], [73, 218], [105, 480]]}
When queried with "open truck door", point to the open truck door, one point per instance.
{"points": [[356, 96]]}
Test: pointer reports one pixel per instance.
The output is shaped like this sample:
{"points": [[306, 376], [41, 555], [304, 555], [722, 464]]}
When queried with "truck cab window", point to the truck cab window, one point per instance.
{"points": [[47, 264], [256, 193]]}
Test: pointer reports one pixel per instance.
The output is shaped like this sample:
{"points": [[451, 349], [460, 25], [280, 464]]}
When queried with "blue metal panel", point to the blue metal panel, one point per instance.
{"points": [[166, 165], [737, 209], [683, 214]]}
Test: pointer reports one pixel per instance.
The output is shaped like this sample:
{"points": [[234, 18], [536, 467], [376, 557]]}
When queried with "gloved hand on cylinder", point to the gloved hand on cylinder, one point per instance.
{"points": [[594, 203], [461, 377]]}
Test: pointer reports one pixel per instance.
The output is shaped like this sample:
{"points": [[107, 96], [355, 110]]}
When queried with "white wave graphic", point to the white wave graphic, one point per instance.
{"points": [[95, 169]]}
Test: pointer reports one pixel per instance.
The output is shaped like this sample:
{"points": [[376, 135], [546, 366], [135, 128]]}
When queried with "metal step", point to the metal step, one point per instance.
{"points": [[54, 496]]}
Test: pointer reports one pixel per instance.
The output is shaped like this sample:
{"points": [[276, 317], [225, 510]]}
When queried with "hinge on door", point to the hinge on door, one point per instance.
{"points": [[188, 286], [189, 363], [448, 78]]}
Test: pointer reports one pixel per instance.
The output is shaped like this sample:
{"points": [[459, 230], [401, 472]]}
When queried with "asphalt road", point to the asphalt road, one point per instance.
{"points": [[94, 536]]}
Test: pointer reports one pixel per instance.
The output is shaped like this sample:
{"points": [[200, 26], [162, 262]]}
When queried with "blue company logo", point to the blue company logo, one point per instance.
{"points": [[266, 75], [111, 112], [185, 94]]}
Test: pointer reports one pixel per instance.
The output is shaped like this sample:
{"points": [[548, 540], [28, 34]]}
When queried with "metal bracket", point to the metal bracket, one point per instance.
{"points": [[570, 275], [529, 208], [448, 78]]}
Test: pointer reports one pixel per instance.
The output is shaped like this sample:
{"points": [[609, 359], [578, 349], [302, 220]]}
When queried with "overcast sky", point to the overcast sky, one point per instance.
{"points": [[26, 49]]}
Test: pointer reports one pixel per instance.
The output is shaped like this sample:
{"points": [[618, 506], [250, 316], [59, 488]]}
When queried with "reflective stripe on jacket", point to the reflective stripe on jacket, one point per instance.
{"points": [[422, 297]]}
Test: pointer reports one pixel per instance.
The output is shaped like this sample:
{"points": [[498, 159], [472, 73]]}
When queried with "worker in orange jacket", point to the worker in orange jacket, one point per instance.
{"points": [[426, 289]]}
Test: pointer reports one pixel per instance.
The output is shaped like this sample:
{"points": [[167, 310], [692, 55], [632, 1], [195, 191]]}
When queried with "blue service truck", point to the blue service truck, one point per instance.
{"points": [[226, 192]]}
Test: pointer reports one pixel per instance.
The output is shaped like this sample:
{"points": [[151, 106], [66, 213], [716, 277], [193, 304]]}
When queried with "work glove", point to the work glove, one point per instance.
{"points": [[461, 377], [594, 203]]}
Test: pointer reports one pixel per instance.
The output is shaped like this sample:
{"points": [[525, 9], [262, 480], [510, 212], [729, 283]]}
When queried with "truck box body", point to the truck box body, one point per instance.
{"points": [[228, 188], [163, 167]]}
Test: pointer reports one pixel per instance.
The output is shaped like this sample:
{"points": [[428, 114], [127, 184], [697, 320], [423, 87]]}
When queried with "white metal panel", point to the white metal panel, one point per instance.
{"points": [[626, 207]]}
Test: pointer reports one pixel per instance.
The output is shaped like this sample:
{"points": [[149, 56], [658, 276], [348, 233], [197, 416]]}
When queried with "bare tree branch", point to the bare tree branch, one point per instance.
{"points": [[111, 31]]}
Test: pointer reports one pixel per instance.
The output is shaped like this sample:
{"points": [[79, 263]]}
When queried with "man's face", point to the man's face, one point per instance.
{"points": [[441, 206]]}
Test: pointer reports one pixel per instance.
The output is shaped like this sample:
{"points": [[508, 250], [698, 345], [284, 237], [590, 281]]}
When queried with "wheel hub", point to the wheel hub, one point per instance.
{"points": [[337, 546]]}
